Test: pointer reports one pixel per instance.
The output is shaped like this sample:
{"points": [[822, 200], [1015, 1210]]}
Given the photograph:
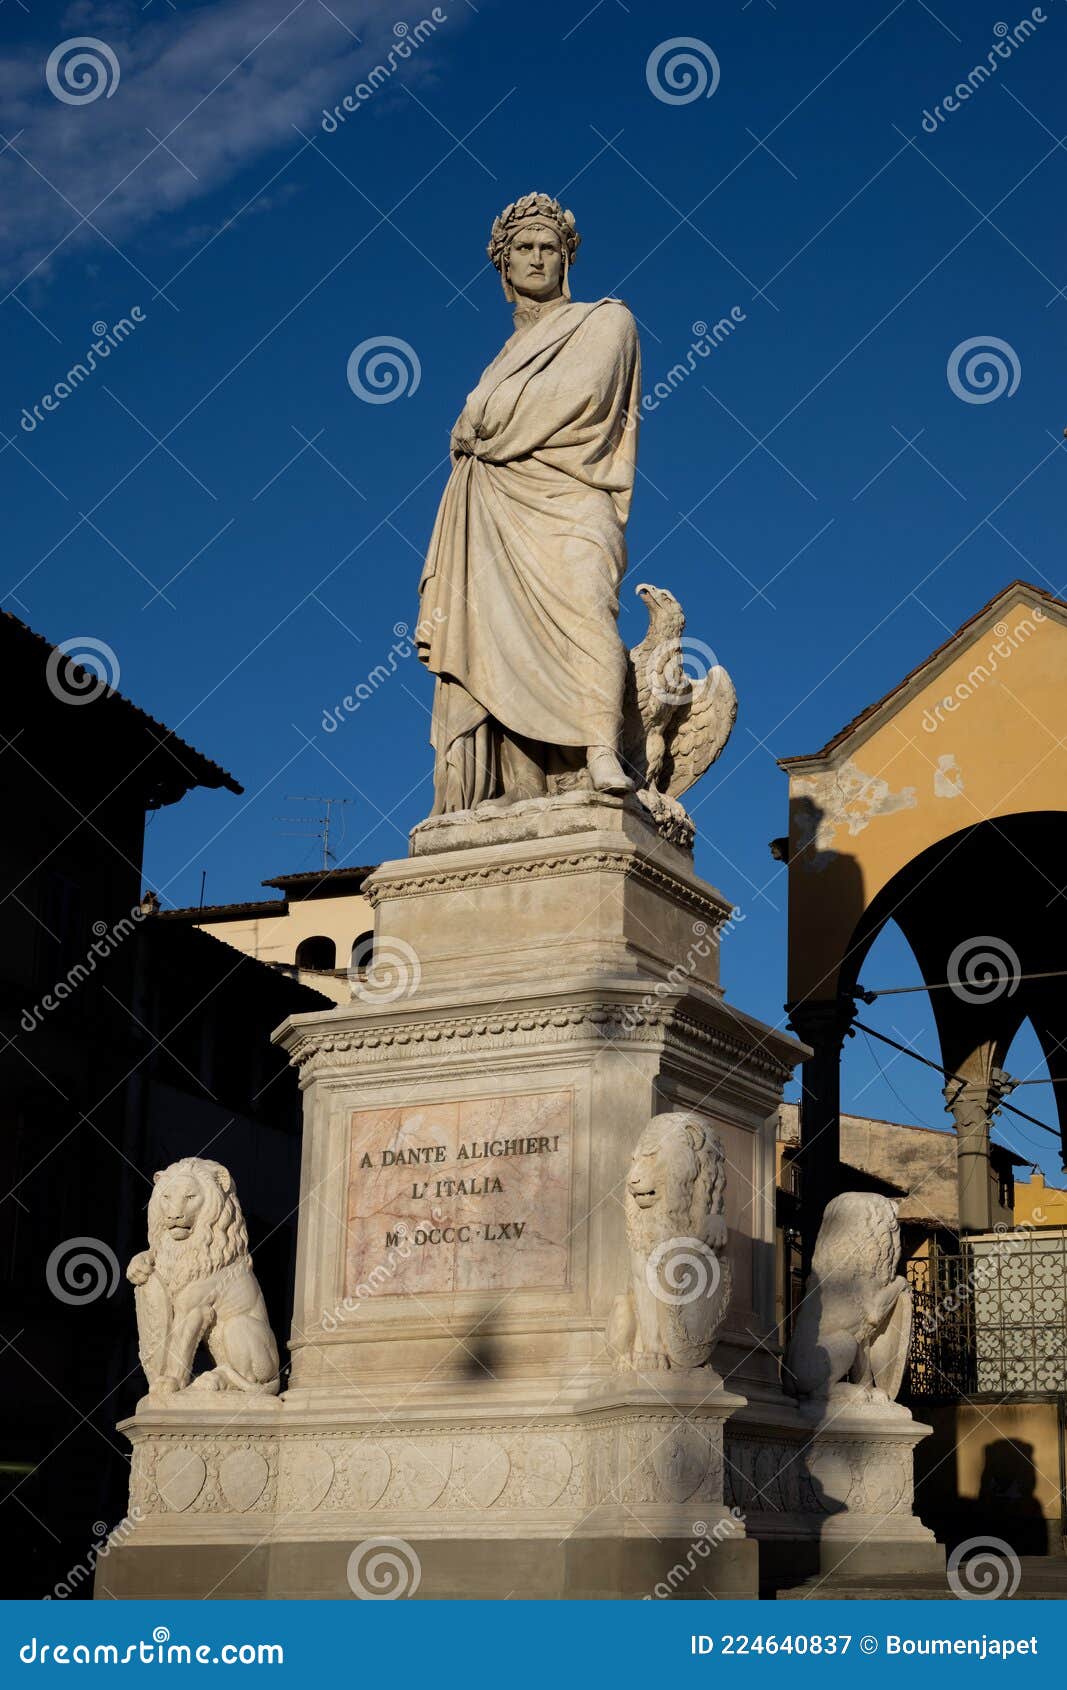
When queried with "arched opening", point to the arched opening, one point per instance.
{"points": [[362, 952], [318, 952], [984, 915]]}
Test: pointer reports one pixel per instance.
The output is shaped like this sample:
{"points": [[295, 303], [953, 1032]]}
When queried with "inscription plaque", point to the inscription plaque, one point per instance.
{"points": [[465, 1196]]}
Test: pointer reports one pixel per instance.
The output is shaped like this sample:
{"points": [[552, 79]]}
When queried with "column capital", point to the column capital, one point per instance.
{"points": [[973, 1103], [822, 1022]]}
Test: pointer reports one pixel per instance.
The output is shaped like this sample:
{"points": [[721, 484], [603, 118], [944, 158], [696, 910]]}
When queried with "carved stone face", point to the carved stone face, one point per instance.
{"points": [[180, 1202], [535, 263], [650, 1173]]}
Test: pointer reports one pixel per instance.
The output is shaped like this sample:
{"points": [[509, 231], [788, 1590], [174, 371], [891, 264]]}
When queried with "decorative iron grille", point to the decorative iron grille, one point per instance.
{"points": [[941, 1356], [991, 1318]]}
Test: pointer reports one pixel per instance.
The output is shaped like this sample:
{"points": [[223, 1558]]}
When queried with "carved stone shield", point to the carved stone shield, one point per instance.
{"points": [[680, 1461], [311, 1477], [243, 1477], [422, 1472], [369, 1470], [546, 1467], [889, 1351], [480, 1469], [180, 1475]]}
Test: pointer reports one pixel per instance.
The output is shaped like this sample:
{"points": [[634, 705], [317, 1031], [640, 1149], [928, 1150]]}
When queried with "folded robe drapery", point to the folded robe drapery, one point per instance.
{"points": [[519, 595]]}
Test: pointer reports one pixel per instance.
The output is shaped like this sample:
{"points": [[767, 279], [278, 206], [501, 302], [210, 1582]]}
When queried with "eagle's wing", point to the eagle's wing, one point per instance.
{"points": [[699, 731]]}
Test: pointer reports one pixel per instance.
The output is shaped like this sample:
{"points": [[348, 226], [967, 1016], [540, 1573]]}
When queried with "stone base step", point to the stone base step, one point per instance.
{"points": [[1043, 1579]]}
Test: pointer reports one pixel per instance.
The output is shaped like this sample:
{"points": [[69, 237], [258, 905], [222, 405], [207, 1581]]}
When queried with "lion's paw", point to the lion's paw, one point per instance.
{"points": [[649, 1361], [208, 1382]]}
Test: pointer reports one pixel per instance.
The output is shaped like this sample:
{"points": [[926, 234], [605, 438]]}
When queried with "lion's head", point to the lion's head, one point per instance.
{"points": [[195, 1224], [676, 1186], [859, 1239]]}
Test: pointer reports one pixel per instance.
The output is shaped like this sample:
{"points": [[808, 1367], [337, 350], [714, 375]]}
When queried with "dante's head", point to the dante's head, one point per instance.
{"points": [[532, 245]]}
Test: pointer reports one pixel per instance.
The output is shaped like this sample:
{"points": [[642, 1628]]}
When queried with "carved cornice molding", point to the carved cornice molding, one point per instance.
{"points": [[707, 1416], [549, 1025], [708, 904]]}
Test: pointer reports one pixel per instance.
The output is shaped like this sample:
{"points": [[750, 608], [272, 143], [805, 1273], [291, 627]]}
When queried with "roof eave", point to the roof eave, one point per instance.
{"points": [[863, 725]]}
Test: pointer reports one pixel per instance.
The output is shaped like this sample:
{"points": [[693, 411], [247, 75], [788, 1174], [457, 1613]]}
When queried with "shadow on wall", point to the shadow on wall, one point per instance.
{"points": [[1007, 1502], [477, 1356], [1014, 1473]]}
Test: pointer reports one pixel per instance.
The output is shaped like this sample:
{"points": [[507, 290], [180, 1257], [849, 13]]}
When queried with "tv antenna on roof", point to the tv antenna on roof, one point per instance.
{"points": [[325, 820]]}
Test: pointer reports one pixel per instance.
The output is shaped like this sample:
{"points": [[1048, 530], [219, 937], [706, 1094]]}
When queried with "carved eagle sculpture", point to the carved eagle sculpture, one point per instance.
{"points": [[675, 724]]}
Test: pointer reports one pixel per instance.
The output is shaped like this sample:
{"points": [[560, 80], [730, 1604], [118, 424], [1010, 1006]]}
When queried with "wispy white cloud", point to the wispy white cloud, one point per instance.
{"points": [[221, 86]]}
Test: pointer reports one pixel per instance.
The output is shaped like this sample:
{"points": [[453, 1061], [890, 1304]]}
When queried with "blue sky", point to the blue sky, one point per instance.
{"points": [[217, 505]]}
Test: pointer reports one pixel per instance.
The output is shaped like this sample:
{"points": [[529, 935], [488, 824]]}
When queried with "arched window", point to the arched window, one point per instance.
{"points": [[318, 952], [362, 952]]}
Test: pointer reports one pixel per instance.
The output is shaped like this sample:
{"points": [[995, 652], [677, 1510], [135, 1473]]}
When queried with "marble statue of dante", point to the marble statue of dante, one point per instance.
{"points": [[519, 595]]}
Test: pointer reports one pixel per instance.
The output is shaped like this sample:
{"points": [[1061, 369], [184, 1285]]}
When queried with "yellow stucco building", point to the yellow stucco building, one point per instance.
{"points": [[319, 929], [942, 807], [1040, 1205]]}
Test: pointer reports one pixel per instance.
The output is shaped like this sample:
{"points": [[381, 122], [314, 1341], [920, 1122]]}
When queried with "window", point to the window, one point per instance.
{"points": [[362, 952], [318, 953]]}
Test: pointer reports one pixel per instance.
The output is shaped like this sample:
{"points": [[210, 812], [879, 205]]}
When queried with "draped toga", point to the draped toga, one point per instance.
{"points": [[519, 595]]}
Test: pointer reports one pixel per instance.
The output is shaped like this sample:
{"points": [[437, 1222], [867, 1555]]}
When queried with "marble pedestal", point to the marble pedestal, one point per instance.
{"points": [[545, 981], [609, 1499], [829, 1492]]}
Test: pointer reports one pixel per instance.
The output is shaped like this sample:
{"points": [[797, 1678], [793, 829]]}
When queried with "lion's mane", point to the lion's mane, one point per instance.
{"points": [[219, 1238], [694, 1161], [859, 1240]]}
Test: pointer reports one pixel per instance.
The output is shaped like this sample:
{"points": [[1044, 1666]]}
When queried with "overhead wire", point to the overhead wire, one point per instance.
{"points": [[948, 1074]]}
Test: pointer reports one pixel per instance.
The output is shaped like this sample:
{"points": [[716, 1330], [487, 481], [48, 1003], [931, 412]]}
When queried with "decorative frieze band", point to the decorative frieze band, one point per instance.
{"points": [[633, 1458], [640, 1023], [824, 1475]]}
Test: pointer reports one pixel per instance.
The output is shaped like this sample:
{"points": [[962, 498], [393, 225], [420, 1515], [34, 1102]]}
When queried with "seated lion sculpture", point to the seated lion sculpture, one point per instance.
{"points": [[851, 1336], [195, 1284], [676, 1228]]}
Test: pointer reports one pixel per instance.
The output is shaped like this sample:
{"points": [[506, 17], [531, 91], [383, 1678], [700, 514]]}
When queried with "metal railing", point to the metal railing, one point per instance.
{"points": [[990, 1318]]}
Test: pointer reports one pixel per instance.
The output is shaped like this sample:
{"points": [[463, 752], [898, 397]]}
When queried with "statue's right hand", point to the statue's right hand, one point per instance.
{"points": [[141, 1268]]}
